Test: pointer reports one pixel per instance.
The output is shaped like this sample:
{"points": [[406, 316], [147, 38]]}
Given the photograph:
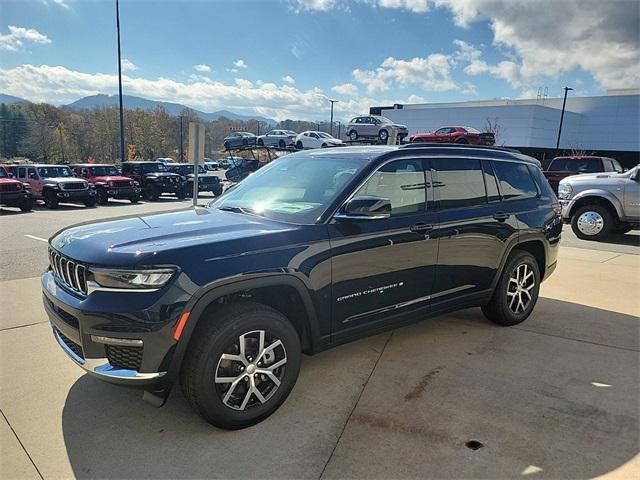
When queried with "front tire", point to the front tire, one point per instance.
{"points": [[26, 205], [282, 144], [135, 198], [151, 192], [462, 141], [90, 202], [103, 197], [592, 222], [51, 200], [353, 135], [517, 290], [299, 145], [241, 365]]}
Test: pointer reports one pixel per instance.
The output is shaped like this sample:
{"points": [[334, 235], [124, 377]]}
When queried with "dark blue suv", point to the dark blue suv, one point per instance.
{"points": [[315, 249]]}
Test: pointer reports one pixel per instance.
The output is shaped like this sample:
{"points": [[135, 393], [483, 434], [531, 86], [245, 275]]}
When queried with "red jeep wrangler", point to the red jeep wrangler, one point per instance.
{"points": [[107, 181], [14, 193]]}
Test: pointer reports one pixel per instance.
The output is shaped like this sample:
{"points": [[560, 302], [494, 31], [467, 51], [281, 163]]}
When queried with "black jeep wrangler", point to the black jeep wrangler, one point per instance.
{"points": [[316, 249], [155, 179]]}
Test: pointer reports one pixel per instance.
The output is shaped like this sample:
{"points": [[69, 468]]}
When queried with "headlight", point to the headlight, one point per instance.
{"points": [[133, 279], [565, 190]]}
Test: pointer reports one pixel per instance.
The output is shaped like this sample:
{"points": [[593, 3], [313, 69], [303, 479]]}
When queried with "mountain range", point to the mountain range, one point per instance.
{"points": [[129, 101]]}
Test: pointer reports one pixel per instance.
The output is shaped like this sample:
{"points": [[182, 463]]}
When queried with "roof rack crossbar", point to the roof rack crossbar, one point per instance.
{"points": [[458, 145]]}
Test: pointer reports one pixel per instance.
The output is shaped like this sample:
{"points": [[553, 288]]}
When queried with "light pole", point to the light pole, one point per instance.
{"points": [[120, 83], [564, 103], [331, 121], [181, 146]]}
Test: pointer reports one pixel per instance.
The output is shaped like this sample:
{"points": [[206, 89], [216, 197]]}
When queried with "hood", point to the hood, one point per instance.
{"points": [[64, 180], [110, 178], [153, 239], [600, 178], [10, 181]]}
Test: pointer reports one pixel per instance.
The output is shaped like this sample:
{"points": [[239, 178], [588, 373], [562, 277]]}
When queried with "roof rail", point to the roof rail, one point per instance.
{"points": [[458, 145]]}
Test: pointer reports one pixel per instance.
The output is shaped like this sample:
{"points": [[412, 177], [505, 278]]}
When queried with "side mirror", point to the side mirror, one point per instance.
{"points": [[10, 175], [365, 208]]}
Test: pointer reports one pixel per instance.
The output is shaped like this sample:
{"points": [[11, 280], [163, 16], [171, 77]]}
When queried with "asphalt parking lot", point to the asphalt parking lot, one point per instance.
{"points": [[449, 397]]}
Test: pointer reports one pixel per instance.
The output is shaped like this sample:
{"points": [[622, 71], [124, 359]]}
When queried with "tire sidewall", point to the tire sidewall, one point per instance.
{"points": [[500, 296], [607, 219], [353, 135], [151, 192], [383, 135], [50, 200], [211, 405]]}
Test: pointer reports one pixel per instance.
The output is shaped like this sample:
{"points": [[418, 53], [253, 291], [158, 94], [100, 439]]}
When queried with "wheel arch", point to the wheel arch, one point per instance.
{"points": [[597, 197], [292, 300], [529, 243]]}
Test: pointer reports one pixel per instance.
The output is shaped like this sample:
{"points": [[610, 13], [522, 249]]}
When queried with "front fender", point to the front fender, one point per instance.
{"points": [[597, 192], [209, 293]]}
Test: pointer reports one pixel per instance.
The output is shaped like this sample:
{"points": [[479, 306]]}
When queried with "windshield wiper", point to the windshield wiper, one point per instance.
{"points": [[236, 209]]}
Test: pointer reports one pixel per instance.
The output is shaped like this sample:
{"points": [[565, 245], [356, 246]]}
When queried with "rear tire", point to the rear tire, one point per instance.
{"points": [[299, 145], [517, 290], [103, 197], [353, 135], [151, 192], [462, 141], [260, 142], [592, 222], [235, 332], [90, 202], [51, 200], [282, 144]]}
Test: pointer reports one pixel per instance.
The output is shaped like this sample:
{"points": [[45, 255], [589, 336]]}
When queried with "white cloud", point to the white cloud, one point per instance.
{"points": [[128, 65], [232, 70], [62, 85], [416, 6], [60, 3], [469, 89], [240, 63], [433, 73], [345, 89], [17, 36], [414, 99], [313, 5], [201, 67], [289, 79]]}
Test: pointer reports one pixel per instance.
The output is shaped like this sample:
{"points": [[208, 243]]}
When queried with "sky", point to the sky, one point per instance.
{"points": [[286, 58]]}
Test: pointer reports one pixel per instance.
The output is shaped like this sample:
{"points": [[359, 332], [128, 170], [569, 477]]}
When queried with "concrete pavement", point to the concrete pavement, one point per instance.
{"points": [[555, 397]]}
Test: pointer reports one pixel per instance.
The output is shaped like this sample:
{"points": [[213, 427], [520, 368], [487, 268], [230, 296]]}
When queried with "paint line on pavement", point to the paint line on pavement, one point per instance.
{"points": [[33, 237]]}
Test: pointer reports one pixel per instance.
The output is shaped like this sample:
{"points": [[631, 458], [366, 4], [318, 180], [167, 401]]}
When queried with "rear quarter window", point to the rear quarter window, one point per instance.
{"points": [[459, 183], [515, 180]]}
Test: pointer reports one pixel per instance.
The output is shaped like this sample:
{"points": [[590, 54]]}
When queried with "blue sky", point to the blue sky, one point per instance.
{"points": [[282, 58]]}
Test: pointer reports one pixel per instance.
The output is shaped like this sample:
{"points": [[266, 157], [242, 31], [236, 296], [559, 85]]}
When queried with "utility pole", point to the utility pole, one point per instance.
{"points": [[61, 141], [122, 159], [331, 121], [564, 103], [181, 147]]}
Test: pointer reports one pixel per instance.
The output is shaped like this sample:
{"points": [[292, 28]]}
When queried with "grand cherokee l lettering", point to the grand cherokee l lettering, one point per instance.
{"points": [[315, 249]]}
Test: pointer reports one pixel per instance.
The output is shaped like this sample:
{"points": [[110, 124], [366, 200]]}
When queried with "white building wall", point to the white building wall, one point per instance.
{"points": [[591, 123]]}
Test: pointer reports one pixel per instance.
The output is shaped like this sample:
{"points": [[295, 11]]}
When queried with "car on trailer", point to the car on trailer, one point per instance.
{"points": [[108, 182], [278, 138], [315, 139], [239, 140], [455, 134], [375, 127]]}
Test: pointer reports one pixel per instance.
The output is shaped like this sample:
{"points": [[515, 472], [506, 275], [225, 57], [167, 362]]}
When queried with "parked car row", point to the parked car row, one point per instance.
{"points": [[90, 184], [281, 139]]}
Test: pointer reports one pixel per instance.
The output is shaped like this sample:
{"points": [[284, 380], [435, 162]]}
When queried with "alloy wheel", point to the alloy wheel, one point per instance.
{"points": [[521, 283], [590, 223], [250, 370]]}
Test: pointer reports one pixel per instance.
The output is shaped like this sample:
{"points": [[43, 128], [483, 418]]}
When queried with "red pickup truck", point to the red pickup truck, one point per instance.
{"points": [[561, 167]]}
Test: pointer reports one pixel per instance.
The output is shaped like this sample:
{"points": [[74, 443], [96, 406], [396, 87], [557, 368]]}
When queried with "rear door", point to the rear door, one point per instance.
{"points": [[386, 266], [474, 229]]}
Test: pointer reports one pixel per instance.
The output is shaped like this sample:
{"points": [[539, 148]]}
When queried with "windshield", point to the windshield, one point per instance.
{"points": [[576, 165], [294, 189], [471, 130], [104, 171], [51, 172], [384, 119], [153, 167], [3, 174], [289, 132]]}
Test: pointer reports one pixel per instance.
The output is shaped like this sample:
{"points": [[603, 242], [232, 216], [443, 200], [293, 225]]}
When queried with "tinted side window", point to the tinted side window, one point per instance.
{"points": [[515, 180], [22, 172], [543, 184], [616, 166], [459, 182], [402, 182], [493, 195]]}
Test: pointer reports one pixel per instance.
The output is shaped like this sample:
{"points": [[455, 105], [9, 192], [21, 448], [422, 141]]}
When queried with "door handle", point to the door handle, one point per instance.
{"points": [[421, 228], [501, 216]]}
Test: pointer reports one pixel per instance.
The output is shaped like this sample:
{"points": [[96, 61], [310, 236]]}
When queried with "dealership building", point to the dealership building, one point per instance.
{"points": [[605, 125]]}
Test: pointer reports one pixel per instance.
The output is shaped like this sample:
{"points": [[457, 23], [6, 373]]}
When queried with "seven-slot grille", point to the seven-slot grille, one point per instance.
{"points": [[10, 187], [120, 183], [72, 274], [73, 186]]}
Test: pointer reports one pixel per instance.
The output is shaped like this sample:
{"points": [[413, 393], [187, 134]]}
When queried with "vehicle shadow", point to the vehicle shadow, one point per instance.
{"points": [[557, 394], [632, 239], [8, 211]]}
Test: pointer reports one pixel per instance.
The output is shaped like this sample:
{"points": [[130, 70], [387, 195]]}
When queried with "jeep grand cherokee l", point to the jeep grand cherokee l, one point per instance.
{"points": [[314, 249]]}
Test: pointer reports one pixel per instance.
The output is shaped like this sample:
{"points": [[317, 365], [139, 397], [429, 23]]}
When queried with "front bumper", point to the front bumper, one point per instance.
{"points": [[107, 344], [14, 198], [123, 192], [75, 195]]}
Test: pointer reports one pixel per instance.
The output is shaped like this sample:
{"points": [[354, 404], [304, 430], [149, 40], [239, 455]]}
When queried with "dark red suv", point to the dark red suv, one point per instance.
{"points": [[14, 193], [561, 167], [108, 182]]}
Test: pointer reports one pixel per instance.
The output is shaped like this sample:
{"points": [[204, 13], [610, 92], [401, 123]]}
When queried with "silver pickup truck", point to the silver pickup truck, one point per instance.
{"points": [[601, 203]]}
